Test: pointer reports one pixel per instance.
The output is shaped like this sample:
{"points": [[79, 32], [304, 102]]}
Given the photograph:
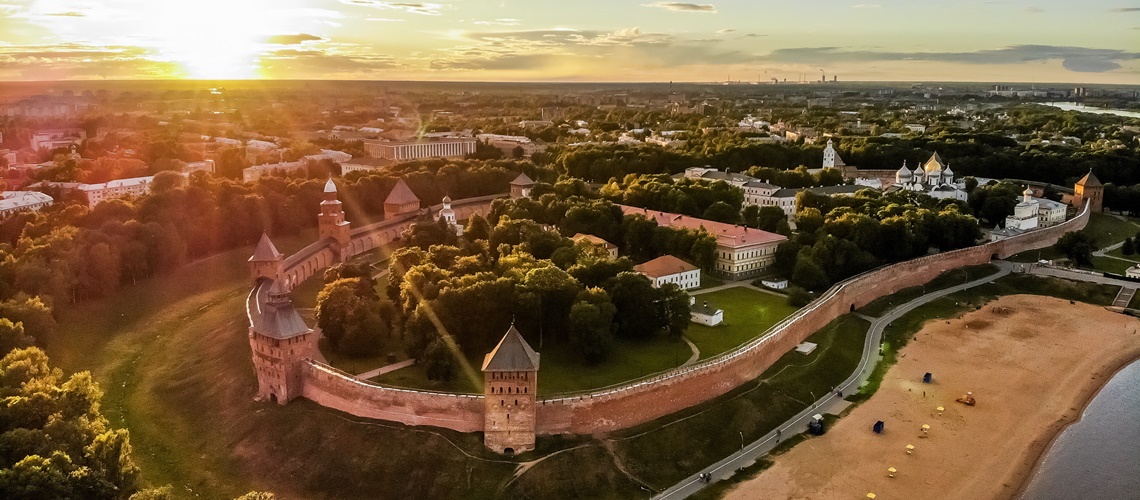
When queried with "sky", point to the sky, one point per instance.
{"points": [[1046, 41]]}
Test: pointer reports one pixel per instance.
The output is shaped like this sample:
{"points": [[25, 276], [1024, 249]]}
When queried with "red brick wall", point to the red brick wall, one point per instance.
{"points": [[329, 387], [642, 401], [645, 400]]}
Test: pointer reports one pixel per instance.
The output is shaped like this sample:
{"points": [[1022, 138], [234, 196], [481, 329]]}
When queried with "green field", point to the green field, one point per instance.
{"points": [[1119, 253], [1104, 228], [947, 279], [747, 314], [1110, 265]]}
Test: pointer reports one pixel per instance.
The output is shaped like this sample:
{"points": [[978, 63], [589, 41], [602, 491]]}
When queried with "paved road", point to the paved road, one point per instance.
{"points": [[1079, 276], [829, 403]]}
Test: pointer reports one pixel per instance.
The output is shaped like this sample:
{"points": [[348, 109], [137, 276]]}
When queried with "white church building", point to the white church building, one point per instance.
{"points": [[933, 177]]}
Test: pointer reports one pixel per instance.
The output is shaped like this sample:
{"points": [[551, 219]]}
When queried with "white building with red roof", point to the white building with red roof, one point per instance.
{"points": [[669, 269], [741, 252]]}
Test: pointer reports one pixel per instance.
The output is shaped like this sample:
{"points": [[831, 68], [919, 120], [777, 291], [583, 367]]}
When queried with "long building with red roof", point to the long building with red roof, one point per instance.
{"points": [[741, 252]]}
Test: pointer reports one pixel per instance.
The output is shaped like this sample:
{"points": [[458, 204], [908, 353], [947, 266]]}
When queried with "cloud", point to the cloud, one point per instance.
{"points": [[422, 8], [67, 14], [309, 63], [65, 61], [292, 39], [1078, 59], [752, 35], [1034, 10], [1125, 9], [726, 30], [683, 7], [385, 19], [505, 21]]}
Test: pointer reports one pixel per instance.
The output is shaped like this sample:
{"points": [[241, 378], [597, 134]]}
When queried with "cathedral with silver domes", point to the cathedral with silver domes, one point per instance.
{"points": [[933, 177]]}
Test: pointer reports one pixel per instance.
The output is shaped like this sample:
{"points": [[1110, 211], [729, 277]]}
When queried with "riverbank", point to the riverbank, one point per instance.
{"points": [[1033, 363]]}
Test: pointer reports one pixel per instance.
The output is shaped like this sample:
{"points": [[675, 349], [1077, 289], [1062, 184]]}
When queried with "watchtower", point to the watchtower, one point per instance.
{"points": [[400, 200], [521, 186], [510, 380], [1089, 189], [266, 261], [330, 222], [280, 340]]}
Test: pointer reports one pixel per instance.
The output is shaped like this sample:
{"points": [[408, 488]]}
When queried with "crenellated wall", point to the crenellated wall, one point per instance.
{"points": [[643, 400]]}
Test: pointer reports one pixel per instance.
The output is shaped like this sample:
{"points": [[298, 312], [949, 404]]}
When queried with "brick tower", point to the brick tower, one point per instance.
{"points": [[510, 379], [330, 222], [266, 261], [400, 201], [1089, 189], [280, 340]]}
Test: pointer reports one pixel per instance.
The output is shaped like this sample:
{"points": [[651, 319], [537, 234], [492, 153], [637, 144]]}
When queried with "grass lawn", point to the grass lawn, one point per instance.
{"points": [[747, 314], [947, 279], [1135, 302], [415, 377], [389, 346], [562, 370], [710, 281], [1119, 253], [1105, 229], [669, 449], [1110, 229], [1110, 265]]}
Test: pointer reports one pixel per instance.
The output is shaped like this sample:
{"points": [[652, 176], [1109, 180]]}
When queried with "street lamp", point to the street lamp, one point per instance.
{"points": [[741, 442], [647, 489]]}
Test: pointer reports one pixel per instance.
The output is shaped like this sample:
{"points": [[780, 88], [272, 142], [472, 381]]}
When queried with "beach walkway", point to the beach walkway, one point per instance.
{"points": [[831, 403]]}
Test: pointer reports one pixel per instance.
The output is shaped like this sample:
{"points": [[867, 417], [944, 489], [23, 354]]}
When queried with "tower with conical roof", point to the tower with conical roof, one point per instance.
{"points": [[1091, 190], [521, 186], [330, 222], [401, 200], [266, 261], [510, 381]]}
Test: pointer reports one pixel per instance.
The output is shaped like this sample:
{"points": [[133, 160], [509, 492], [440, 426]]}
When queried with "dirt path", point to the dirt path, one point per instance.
{"points": [[1031, 361]]}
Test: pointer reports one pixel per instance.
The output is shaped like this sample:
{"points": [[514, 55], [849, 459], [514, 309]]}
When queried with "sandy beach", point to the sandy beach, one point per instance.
{"points": [[1032, 363]]}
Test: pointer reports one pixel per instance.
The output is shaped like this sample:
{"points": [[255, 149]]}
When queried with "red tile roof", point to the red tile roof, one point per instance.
{"points": [[666, 265], [401, 194], [729, 235]]}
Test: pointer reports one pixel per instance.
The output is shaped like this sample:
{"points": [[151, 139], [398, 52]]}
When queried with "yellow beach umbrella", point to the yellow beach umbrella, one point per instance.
{"points": [[870, 495], [909, 449], [940, 410], [925, 427], [891, 472]]}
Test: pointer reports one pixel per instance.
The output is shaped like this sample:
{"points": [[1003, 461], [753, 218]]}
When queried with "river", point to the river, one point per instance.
{"points": [[1074, 106], [1098, 456]]}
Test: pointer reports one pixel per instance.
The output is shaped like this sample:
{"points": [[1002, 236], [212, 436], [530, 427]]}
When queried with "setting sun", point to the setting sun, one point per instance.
{"points": [[211, 38]]}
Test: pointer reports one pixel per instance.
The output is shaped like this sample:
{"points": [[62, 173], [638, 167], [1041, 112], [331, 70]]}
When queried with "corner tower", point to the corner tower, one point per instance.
{"points": [[1089, 189], [280, 341], [521, 186], [510, 380]]}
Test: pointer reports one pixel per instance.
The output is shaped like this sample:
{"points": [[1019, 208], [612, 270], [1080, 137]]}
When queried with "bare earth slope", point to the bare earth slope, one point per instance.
{"points": [[1032, 362]]}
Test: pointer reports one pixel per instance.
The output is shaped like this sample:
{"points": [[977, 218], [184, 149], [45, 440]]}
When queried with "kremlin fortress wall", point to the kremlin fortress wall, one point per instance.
{"points": [[602, 410]]}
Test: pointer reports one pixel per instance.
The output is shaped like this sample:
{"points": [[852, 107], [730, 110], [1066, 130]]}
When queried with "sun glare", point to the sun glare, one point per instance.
{"points": [[211, 39]]}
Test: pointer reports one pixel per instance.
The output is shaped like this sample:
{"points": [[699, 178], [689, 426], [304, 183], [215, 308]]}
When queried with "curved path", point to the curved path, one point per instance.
{"points": [[831, 403]]}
